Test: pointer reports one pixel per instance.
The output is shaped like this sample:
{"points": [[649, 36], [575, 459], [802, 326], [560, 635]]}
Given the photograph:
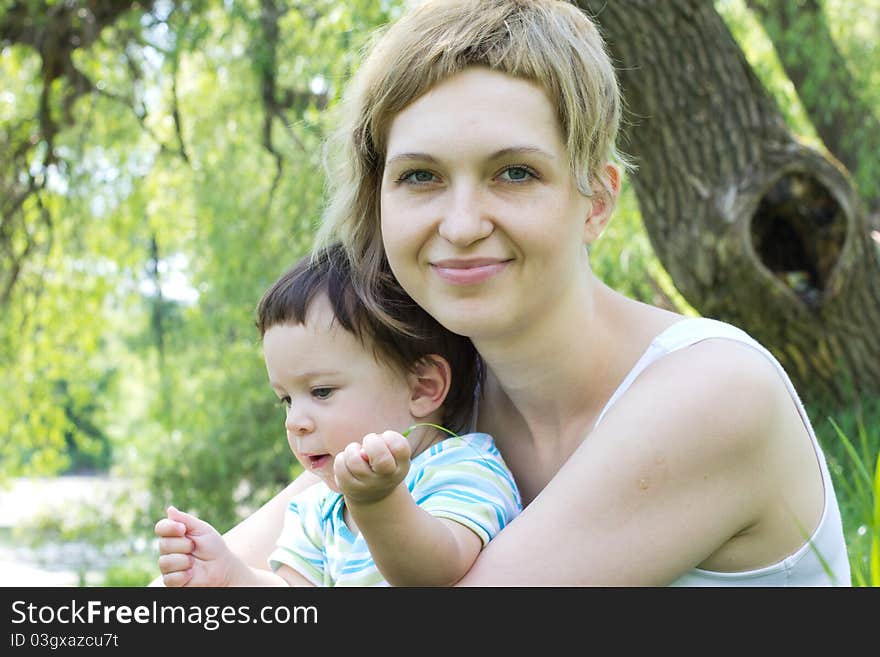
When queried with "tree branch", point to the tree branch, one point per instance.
{"points": [[54, 30]]}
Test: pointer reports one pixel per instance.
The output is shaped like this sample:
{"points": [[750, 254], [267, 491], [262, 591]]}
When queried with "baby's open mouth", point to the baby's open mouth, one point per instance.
{"points": [[316, 461]]}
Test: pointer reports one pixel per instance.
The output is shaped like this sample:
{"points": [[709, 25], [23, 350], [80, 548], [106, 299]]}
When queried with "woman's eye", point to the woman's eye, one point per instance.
{"points": [[418, 177], [517, 174], [322, 393]]}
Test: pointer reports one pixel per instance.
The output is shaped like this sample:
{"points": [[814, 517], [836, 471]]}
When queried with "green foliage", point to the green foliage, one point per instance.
{"points": [[855, 27], [162, 223], [137, 571], [851, 442]]}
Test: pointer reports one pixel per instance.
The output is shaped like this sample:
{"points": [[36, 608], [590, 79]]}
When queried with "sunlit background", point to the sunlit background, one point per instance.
{"points": [[153, 183]]}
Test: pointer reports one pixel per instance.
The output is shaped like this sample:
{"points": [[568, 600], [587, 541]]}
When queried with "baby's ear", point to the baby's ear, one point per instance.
{"points": [[429, 383]]}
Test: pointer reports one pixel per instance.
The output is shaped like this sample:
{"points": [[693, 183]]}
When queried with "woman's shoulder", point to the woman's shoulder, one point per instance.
{"points": [[716, 366], [695, 365], [697, 348], [699, 376]]}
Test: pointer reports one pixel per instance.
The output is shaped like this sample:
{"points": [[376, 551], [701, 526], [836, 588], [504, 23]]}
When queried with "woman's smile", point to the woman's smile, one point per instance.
{"points": [[468, 271]]}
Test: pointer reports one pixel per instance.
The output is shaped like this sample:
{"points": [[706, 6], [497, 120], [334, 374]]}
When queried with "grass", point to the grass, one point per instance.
{"points": [[851, 442]]}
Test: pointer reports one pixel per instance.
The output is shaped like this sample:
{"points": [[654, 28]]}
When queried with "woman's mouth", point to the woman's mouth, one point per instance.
{"points": [[468, 271]]}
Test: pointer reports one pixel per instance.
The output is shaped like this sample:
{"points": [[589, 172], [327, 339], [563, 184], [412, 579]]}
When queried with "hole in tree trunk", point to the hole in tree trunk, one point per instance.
{"points": [[798, 232]]}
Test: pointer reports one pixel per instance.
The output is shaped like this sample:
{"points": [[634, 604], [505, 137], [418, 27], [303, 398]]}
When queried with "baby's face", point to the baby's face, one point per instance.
{"points": [[333, 390]]}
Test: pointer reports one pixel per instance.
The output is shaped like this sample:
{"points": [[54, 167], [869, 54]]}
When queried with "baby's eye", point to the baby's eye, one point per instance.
{"points": [[517, 173], [417, 177], [285, 402], [322, 393]]}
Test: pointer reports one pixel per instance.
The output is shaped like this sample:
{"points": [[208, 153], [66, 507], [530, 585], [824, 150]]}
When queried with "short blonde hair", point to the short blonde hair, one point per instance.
{"points": [[549, 42]]}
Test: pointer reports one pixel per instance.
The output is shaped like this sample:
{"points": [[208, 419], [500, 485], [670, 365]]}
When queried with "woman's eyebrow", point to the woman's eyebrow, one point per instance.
{"points": [[504, 152], [406, 157], [522, 150]]}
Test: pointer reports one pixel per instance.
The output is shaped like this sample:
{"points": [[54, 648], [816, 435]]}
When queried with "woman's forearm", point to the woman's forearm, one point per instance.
{"points": [[253, 539], [244, 575]]}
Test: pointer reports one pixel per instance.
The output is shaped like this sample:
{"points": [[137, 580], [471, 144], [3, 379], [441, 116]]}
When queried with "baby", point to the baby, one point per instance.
{"points": [[401, 499]]}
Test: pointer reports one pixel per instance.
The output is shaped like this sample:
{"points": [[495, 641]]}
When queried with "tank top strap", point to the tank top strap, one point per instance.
{"points": [[677, 336], [690, 331]]}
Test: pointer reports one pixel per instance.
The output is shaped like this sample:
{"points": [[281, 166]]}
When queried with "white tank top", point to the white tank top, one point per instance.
{"points": [[821, 561]]}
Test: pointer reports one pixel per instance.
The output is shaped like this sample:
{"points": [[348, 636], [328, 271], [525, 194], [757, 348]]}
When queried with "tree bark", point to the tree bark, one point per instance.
{"points": [[847, 125], [753, 227]]}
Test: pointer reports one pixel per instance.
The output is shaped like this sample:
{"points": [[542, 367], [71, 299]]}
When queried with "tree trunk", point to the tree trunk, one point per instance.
{"points": [[754, 228], [846, 123]]}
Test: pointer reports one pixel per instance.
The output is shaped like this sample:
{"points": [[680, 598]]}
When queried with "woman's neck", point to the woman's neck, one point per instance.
{"points": [[560, 372], [551, 368]]}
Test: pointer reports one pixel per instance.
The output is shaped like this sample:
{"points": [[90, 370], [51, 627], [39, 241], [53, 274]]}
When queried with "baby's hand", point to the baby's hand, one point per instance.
{"points": [[192, 552], [368, 471]]}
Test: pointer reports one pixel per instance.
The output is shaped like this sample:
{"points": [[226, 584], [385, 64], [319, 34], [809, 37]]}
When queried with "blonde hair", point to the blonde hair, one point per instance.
{"points": [[549, 42]]}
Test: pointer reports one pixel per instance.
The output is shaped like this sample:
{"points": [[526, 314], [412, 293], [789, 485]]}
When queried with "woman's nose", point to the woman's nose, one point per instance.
{"points": [[465, 220]]}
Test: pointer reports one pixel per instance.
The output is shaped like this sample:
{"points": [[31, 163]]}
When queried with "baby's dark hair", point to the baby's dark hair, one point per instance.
{"points": [[329, 272]]}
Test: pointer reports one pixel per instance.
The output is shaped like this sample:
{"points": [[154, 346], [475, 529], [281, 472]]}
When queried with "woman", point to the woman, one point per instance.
{"points": [[650, 449]]}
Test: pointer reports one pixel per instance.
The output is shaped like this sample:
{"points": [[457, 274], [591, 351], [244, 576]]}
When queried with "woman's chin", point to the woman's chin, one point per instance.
{"points": [[464, 316], [483, 323]]}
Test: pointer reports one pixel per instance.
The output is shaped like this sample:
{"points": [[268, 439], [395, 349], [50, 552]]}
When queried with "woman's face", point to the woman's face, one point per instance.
{"points": [[481, 219]]}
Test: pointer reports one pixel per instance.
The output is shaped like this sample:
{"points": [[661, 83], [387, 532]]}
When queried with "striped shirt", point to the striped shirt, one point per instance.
{"points": [[462, 479]]}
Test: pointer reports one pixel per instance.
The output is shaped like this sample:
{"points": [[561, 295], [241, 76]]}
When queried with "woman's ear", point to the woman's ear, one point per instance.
{"points": [[602, 203], [429, 383]]}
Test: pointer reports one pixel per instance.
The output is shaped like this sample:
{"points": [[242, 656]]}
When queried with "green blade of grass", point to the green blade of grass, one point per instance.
{"points": [[822, 561], [862, 430], [875, 530], [858, 488], [407, 431], [859, 581], [866, 479]]}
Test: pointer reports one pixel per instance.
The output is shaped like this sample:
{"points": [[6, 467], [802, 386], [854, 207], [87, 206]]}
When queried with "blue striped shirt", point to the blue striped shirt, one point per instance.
{"points": [[463, 479]]}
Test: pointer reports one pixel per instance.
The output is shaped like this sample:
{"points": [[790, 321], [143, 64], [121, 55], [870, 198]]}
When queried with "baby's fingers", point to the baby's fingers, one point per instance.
{"points": [[398, 446], [380, 458], [349, 466], [170, 563], [177, 578], [175, 546], [169, 528]]}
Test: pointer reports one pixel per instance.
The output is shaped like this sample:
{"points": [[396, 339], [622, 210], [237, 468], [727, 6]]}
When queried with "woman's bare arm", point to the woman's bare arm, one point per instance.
{"points": [[677, 468], [254, 537]]}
